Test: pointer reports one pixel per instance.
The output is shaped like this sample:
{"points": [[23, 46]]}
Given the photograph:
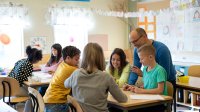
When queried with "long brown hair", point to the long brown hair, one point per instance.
{"points": [[123, 61], [93, 58]]}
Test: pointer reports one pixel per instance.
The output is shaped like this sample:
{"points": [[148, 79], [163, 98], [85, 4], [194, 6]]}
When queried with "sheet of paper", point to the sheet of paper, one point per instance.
{"points": [[6, 108], [146, 97], [42, 75]]}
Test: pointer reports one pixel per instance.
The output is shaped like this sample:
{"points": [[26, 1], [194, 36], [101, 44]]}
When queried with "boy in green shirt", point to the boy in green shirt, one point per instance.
{"points": [[154, 75]]}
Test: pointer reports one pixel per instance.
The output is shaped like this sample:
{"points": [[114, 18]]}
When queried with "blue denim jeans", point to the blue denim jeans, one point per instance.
{"points": [[42, 90], [54, 107]]}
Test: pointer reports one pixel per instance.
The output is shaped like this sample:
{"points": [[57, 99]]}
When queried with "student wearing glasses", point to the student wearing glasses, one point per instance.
{"points": [[138, 38]]}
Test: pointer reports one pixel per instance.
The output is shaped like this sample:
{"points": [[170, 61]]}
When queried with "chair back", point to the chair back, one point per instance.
{"points": [[73, 104], [194, 71], [8, 87], [170, 89], [37, 100]]}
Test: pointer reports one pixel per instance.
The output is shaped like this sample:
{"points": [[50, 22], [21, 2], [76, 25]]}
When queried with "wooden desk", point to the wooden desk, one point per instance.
{"points": [[45, 79], [132, 104], [3, 75], [193, 84]]}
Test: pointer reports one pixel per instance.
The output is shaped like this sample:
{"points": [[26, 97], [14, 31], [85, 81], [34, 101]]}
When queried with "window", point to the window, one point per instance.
{"points": [[72, 31], [75, 35], [11, 45]]}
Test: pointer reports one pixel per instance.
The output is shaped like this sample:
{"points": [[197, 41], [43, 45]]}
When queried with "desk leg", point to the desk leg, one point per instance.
{"points": [[175, 98], [169, 107]]}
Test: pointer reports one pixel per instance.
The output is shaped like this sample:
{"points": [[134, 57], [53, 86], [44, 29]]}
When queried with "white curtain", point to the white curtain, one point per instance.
{"points": [[12, 20], [70, 26]]}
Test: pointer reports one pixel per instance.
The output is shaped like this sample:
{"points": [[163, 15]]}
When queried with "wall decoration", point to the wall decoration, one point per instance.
{"points": [[5, 39], [39, 43]]}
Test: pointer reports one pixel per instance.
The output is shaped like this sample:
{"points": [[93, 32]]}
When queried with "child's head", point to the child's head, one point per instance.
{"points": [[146, 54], [71, 55], [56, 54], [117, 59], [56, 50], [34, 55], [93, 58]]}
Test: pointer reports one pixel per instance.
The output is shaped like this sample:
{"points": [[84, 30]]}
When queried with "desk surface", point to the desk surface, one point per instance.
{"points": [[134, 104], [193, 84], [3, 75], [45, 79]]}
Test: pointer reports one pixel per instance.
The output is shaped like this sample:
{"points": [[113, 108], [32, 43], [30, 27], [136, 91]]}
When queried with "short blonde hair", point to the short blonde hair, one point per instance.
{"points": [[93, 57], [147, 49]]}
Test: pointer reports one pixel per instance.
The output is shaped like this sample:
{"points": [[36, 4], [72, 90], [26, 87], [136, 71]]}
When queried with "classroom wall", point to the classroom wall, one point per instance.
{"points": [[37, 13], [184, 58], [155, 5]]}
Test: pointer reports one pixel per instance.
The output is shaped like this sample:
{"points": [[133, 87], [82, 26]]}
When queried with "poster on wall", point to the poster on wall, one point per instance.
{"points": [[183, 4], [39, 42], [171, 31]]}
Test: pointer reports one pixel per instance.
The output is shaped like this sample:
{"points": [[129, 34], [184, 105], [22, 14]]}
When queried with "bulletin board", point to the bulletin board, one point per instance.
{"points": [[179, 30]]}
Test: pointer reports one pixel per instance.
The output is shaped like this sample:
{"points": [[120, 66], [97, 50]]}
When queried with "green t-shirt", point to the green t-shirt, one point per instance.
{"points": [[154, 76]]}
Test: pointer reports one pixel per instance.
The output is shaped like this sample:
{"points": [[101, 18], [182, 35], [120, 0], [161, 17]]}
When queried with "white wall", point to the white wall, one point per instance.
{"points": [[37, 11]]}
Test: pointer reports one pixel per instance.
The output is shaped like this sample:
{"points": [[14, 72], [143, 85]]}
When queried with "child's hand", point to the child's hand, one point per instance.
{"points": [[142, 86], [137, 90], [136, 70], [127, 87]]}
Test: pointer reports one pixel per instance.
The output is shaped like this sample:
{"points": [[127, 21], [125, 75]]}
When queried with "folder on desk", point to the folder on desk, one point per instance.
{"points": [[146, 97]]}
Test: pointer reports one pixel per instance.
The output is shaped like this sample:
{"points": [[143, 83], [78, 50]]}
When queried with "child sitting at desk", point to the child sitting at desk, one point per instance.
{"points": [[56, 94], [118, 67], [154, 75], [52, 64], [24, 68], [55, 59], [90, 85]]}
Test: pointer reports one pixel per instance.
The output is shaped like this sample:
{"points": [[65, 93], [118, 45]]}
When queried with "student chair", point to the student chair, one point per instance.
{"points": [[194, 71], [170, 89], [36, 104], [73, 104], [9, 88]]}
